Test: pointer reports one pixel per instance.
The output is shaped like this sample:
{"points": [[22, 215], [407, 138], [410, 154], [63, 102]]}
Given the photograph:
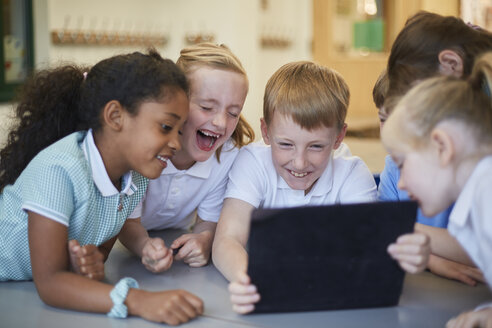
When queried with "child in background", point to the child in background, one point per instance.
{"points": [[378, 95], [389, 191], [430, 44], [195, 181], [304, 121], [58, 185], [440, 136]]}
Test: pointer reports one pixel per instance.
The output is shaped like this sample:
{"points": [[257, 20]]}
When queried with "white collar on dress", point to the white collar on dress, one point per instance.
{"points": [[99, 173], [460, 213]]}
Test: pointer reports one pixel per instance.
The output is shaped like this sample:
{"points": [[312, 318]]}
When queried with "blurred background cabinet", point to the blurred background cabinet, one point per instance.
{"points": [[351, 36], [354, 37]]}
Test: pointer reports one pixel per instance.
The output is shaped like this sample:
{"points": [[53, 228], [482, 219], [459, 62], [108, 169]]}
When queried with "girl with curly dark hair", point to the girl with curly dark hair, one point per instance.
{"points": [[76, 168]]}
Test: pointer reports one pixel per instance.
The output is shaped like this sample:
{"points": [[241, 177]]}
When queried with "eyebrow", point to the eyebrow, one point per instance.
{"points": [[212, 100], [206, 99], [176, 116], [277, 138]]}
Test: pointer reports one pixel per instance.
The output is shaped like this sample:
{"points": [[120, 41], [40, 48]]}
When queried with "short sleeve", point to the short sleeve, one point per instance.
{"points": [[48, 190], [482, 225], [137, 212], [247, 179], [388, 181], [210, 207], [359, 185]]}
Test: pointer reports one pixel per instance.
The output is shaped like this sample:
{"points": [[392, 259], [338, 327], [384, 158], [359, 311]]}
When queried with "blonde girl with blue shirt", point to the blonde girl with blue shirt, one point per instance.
{"points": [[389, 191], [430, 44], [440, 136], [191, 190], [73, 171]]}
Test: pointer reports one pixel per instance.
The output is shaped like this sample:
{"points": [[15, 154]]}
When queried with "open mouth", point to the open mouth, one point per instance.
{"points": [[163, 160], [206, 139], [298, 175]]}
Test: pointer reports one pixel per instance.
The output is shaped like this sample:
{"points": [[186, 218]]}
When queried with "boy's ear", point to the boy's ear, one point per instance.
{"points": [[113, 114], [264, 131], [442, 142], [340, 136], [450, 63]]}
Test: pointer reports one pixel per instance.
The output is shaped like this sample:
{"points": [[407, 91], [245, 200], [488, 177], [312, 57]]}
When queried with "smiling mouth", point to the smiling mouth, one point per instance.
{"points": [[206, 139], [298, 175], [163, 160]]}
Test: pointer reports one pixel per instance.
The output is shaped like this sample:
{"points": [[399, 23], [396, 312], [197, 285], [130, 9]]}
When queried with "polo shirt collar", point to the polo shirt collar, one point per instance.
{"points": [[199, 169], [99, 173], [461, 210]]}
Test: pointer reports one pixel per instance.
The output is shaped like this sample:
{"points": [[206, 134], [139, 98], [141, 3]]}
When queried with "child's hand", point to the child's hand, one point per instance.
{"points": [[455, 270], [411, 251], [86, 260], [243, 294], [172, 307], [194, 248], [472, 319], [156, 257]]}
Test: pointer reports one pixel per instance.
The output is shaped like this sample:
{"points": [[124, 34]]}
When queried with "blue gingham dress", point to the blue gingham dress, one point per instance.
{"points": [[58, 183]]}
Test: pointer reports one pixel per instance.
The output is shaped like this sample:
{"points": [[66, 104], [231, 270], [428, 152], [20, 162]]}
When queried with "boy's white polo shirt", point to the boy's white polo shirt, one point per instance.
{"points": [[172, 199], [253, 179], [470, 221]]}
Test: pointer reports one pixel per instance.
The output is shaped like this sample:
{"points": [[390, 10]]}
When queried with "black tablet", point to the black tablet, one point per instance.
{"points": [[327, 257]]}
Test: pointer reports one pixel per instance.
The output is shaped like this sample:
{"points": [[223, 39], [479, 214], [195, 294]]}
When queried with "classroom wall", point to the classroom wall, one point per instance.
{"points": [[361, 70], [240, 24]]}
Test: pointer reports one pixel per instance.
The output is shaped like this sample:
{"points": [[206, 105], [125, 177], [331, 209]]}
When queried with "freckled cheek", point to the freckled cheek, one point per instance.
{"points": [[280, 159], [187, 132], [231, 126], [191, 123], [320, 161], [195, 119]]}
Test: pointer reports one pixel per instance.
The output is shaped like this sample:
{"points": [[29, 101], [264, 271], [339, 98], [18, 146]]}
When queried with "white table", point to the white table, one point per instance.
{"points": [[427, 301]]}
